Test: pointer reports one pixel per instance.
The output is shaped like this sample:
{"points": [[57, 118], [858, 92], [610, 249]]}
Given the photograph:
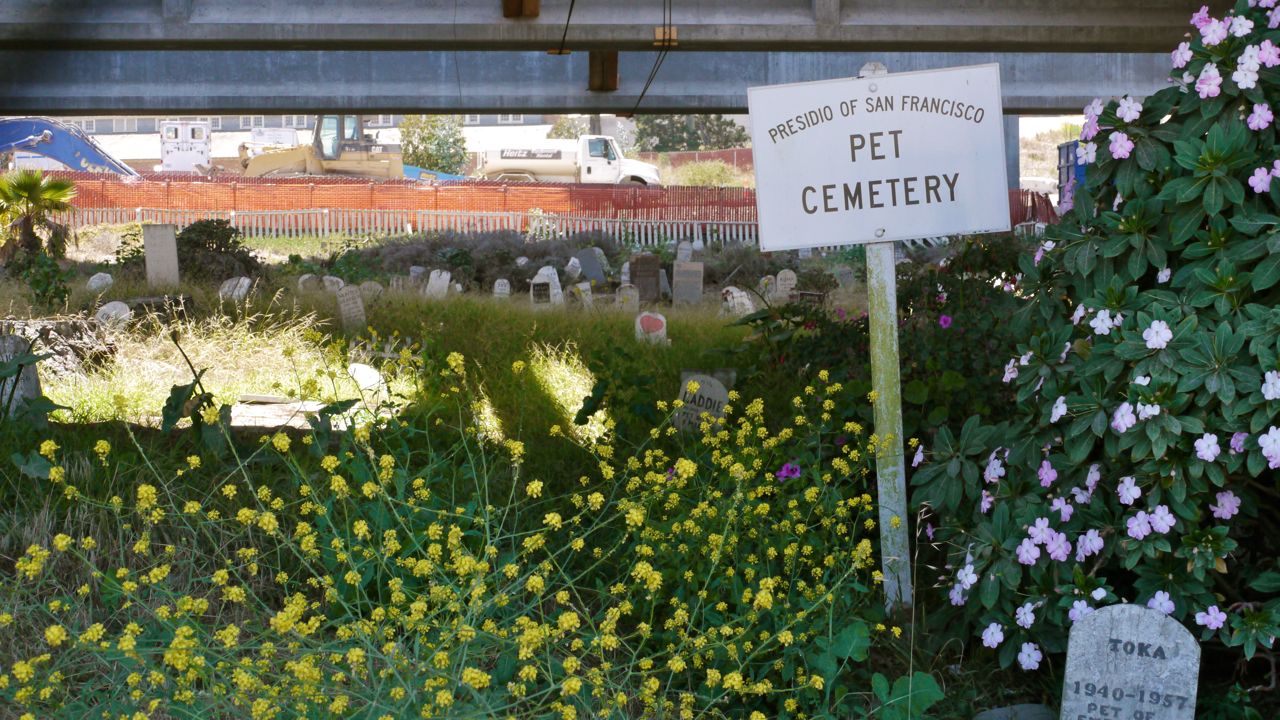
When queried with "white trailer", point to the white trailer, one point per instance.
{"points": [[592, 159], [185, 146]]}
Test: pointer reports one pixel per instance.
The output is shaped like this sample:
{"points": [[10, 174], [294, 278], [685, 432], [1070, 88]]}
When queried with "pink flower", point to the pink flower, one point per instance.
{"points": [[1129, 109], [1241, 26], [1038, 532], [1207, 448], [993, 635], [1079, 609], [994, 470], [1269, 54], [1269, 443], [1093, 109], [1128, 491], [956, 595], [1029, 657], [1160, 602], [1157, 335], [1237, 442], [1162, 521], [1273, 19], [1261, 180], [1227, 507], [1209, 84], [1212, 618], [1271, 385], [944, 321], [1027, 552], [966, 578], [1058, 547], [987, 501], [1182, 55], [1064, 507], [1059, 409], [1089, 130], [1094, 475], [1214, 32], [1121, 146], [1275, 169], [1047, 474], [1201, 17], [1139, 525], [1123, 418], [1261, 117], [1088, 544]]}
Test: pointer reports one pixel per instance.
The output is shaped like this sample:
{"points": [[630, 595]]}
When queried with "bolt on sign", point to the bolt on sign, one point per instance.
{"points": [[891, 157]]}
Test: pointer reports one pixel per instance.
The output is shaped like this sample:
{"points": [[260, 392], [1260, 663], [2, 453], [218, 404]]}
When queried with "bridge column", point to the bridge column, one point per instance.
{"points": [[1012, 150]]}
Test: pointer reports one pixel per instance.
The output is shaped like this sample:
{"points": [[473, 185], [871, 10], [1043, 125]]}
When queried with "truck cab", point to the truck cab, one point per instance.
{"points": [[594, 159]]}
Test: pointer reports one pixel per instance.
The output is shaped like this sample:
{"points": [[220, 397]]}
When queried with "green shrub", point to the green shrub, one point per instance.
{"points": [[708, 173], [46, 280], [210, 250], [1139, 465]]}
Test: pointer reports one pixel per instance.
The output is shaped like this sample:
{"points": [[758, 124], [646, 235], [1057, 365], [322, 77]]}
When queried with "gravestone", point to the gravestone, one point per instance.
{"points": [[333, 284], [160, 248], [628, 299], [236, 289], [309, 283], [644, 275], [438, 284], [601, 258], [688, 282], [582, 291], [544, 289], [457, 288], [767, 286], [573, 269], [684, 251], [370, 289], [416, 274], [399, 283], [522, 261], [845, 276], [651, 327], [1126, 662], [625, 274], [786, 285], [664, 285], [502, 289], [113, 312], [805, 253], [99, 282], [27, 382], [711, 397], [351, 309], [736, 302], [373, 388], [592, 267]]}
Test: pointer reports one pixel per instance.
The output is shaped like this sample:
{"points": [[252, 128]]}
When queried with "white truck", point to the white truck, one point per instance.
{"points": [[592, 159]]}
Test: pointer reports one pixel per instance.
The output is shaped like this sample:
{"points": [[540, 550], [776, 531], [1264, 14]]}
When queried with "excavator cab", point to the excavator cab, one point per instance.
{"points": [[339, 146]]}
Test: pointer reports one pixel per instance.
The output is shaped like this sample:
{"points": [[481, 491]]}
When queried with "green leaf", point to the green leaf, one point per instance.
{"points": [[1267, 582], [852, 642], [915, 392], [1266, 273]]}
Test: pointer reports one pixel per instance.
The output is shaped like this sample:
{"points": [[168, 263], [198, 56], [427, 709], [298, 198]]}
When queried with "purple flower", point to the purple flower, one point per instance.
{"points": [[1227, 507], [1093, 109], [966, 578], [1123, 418], [1182, 55], [1201, 17], [1047, 474], [1212, 618], [1026, 615], [1079, 609], [1269, 54], [1162, 521], [1207, 448], [1214, 32], [1057, 546], [1039, 531], [1128, 491], [956, 595], [1027, 552], [1129, 109], [840, 313], [1029, 657], [1237, 442], [1088, 544], [919, 456], [1261, 117], [1269, 444], [928, 530], [987, 501], [1271, 385], [993, 635], [1120, 145], [788, 471], [1209, 84], [1139, 525], [1160, 602], [1260, 181], [1064, 507], [944, 321]]}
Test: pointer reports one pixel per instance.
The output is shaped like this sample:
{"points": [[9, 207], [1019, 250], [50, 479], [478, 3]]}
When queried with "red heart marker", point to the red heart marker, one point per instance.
{"points": [[651, 324]]}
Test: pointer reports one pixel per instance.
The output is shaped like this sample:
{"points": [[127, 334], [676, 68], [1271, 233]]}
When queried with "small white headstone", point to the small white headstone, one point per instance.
{"points": [[502, 288], [573, 269], [373, 389], [370, 289], [684, 251], [309, 283], [767, 286], [457, 288], [236, 289], [711, 397], [522, 261], [545, 287], [651, 327], [351, 309], [786, 285], [628, 298], [736, 302], [113, 312], [625, 274], [99, 282], [333, 284], [160, 248], [28, 381], [582, 291], [416, 273], [438, 284], [1125, 662]]}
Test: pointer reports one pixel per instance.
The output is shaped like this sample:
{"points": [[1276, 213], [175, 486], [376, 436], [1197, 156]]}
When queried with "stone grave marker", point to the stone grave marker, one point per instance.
{"points": [[236, 289], [502, 289], [545, 289], [27, 381], [1130, 663], [736, 302], [113, 312], [373, 388], [399, 283], [711, 397], [582, 291], [767, 286], [805, 253], [371, 289], [845, 276], [160, 248], [601, 258], [664, 285], [351, 309], [644, 275], [625, 273], [99, 282], [573, 269], [522, 261], [309, 283], [333, 284], [651, 327], [684, 251], [416, 273], [438, 284], [592, 268], [688, 282], [786, 285], [628, 298]]}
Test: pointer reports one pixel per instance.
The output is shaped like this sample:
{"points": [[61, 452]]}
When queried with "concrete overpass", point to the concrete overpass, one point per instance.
{"points": [[700, 25]]}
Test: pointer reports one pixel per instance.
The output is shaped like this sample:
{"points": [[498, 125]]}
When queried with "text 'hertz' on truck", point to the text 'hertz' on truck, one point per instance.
{"points": [[589, 159]]}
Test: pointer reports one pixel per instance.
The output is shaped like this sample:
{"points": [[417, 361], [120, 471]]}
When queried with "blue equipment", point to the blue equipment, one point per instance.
{"points": [[65, 143]]}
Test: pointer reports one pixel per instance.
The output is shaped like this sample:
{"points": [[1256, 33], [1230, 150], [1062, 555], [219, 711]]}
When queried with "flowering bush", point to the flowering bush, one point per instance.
{"points": [[376, 576], [1140, 464]]}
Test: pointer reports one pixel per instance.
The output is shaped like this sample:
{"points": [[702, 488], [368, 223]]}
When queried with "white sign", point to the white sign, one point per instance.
{"points": [[873, 159]]}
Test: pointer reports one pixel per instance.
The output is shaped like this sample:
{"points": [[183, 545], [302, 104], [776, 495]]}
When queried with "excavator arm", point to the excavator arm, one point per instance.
{"points": [[65, 143]]}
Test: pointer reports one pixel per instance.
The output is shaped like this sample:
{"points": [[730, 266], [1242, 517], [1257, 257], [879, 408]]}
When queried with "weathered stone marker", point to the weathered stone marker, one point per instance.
{"points": [[1125, 662], [786, 285], [438, 284], [589, 261], [351, 309], [502, 289], [684, 251], [644, 275], [235, 289], [711, 397], [582, 293], [27, 382], [651, 327], [688, 282], [545, 288], [628, 299], [160, 248]]}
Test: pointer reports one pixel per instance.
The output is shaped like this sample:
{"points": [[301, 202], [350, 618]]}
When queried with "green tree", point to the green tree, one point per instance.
{"points": [[568, 128], [670, 133], [434, 142], [28, 201]]}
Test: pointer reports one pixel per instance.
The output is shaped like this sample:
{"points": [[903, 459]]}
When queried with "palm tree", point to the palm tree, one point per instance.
{"points": [[27, 201]]}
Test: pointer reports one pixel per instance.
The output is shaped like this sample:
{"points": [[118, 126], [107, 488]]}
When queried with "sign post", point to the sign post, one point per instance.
{"points": [[869, 161]]}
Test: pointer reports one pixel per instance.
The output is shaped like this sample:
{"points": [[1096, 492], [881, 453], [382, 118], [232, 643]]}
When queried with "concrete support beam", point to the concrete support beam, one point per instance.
{"points": [[604, 71], [761, 25], [1012, 149], [204, 82]]}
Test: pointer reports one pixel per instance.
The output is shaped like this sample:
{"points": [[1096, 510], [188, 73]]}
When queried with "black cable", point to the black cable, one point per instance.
{"points": [[567, 20], [668, 15]]}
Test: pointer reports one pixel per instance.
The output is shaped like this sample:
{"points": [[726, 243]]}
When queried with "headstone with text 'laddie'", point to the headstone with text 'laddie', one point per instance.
{"points": [[688, 282], [651, 327], [592, 267], [1129, 662], [438, 284], [351, 309], [644, 275], [786, 285], [160, 249], [711, 397], [628, 299], [28, 381], [502, 289], [684, 251]]}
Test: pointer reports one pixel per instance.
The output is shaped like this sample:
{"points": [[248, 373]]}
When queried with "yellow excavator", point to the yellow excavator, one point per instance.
{"points": [[340, 146]]}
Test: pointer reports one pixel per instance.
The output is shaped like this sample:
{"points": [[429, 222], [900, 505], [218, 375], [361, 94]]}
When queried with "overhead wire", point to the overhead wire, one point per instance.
{"points": [[668, 14], [569, 18]]}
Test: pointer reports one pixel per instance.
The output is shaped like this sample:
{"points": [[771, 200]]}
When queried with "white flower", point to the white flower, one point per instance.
{"points": [[1029, 657], [1059, 409], [994, 470], [919, 456], [1162, 521], [1157, 335], [1207, 448], [1025, 359], [1269, 443], [1087, 153], [993, 635], [1160, 602], [1078, 315], [1164, 275], [1241, 26], [1079, 609], [1092, 478], [1026, 615], [1123, 418], [1246, 79], [1093, 109], [1129, 109], [1128, 491], [1099, 593], [966, 578], [1143, 380], [1146, 412], [1088, 544], [1271, 385], [1011, 370], [1102, 322]]}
